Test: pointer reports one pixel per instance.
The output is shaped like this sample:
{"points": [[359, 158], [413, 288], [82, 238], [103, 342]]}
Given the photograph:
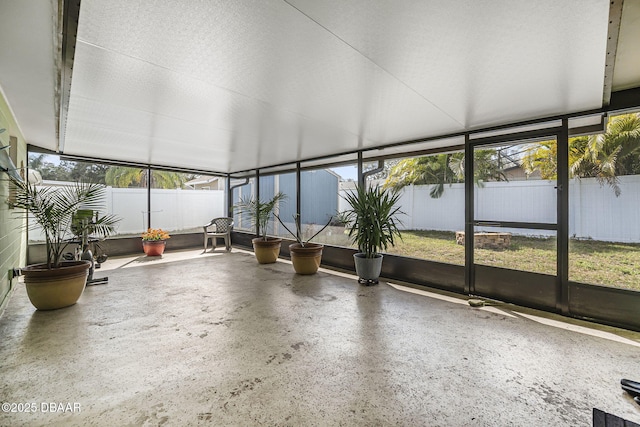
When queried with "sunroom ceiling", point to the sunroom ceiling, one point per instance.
{"points": [[228, 86]]}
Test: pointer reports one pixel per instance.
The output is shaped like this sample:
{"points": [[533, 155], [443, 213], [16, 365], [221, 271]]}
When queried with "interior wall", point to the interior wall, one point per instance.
{"points": [[13, 242]]}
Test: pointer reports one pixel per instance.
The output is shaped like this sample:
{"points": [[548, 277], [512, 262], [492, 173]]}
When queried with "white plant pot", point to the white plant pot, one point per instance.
{"points": [[368, 269]]}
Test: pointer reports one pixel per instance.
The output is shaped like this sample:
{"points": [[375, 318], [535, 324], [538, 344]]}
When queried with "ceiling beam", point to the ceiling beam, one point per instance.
{"points": [[70, 15], [615, 16]]}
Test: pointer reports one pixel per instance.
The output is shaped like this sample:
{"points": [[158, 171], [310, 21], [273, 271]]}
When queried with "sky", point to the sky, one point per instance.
{"points": [[346, 172]]}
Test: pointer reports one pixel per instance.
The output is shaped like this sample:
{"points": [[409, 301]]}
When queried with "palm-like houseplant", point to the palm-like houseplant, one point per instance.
{"points": [[55, 211], [266, 249], [374, 227], [305, 255]]}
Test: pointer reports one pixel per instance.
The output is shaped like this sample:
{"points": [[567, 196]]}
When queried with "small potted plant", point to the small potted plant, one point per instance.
{"points": [[305, 256], [266, 249], [154, 240], [373, 228], [58, 283]]}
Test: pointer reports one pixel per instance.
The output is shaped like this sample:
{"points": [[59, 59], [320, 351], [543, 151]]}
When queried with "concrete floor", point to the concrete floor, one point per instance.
{"points": [[217, 339]]}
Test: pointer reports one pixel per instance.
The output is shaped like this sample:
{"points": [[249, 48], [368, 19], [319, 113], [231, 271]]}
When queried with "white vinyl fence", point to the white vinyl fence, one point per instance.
{"points": [[172, 210], [594, 210]]}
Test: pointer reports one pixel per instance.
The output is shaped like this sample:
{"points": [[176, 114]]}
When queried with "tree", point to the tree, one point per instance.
{"points": [[85, 171], [384, 173], [67, 170], [48, 170], [36, 161], [603, 156], [124, 177], [441, 169]]}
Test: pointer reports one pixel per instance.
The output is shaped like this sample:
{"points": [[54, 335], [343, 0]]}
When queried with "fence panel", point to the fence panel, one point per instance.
{"points": [[173, 210], [595, 211]]}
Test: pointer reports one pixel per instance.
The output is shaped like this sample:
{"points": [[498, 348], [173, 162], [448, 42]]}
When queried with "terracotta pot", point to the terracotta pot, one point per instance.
{"points": [[266, 251], [306, 259], [50, 289], [154, 247]]}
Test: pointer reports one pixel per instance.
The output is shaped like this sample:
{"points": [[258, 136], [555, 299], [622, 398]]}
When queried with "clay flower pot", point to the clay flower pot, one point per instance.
{"points": [[50, 289], [153, 247], [266, 251], [306, 259]]}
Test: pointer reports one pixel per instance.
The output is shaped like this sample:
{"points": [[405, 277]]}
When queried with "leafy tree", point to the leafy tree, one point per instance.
{"points": [[384, 173], [36, 161], [91, 172], [67, 170], [124, 177], [49, 170], [117, 176], [441, 169]]}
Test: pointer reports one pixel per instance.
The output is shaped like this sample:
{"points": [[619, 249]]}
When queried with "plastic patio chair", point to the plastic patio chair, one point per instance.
{"points": [[218, 228]]}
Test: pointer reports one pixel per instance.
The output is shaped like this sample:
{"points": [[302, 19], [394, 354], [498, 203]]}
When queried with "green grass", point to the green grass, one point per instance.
{"points": [[590, 261], [605, 263]]}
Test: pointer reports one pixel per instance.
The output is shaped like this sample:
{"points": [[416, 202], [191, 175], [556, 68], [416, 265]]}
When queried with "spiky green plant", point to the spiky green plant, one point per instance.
{"points": [[298, 234], [54, 209], [373, 218], [259, 212]]}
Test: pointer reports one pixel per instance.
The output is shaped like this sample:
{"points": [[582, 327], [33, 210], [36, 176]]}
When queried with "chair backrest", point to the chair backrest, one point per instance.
{"points": [[223, 225]]}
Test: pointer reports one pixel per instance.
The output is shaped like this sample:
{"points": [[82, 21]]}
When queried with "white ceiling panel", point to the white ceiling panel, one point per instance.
{"points": [[627, 65], [281, 87], [229, 86], [480, 62]]}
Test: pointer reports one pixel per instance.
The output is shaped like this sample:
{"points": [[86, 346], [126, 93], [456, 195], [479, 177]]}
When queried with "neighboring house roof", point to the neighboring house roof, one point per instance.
{"points": [[517, 172], [201, 180]]}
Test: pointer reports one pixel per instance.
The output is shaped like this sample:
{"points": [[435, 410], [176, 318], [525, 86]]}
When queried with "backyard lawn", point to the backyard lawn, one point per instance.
{"points": [[590, 261]]}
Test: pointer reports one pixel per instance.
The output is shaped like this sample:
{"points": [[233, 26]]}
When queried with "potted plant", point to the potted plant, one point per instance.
{"points": [[305, 256], [58, 283], [266, 249], [154, 240], [373, 228]]}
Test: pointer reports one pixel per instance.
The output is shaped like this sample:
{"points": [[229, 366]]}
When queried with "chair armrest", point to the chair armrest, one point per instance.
{"points": [[206, 226]]}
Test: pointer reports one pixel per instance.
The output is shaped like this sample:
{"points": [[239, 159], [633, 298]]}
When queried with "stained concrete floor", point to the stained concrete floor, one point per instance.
{"points": [[217, 339]]}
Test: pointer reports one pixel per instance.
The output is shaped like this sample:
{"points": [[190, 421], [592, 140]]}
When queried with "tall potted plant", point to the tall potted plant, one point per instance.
{"points": [[58, 283], [374, 226], [266, 249], [305, 255]]}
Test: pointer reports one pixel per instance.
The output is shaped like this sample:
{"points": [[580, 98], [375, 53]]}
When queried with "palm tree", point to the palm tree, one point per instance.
{"points": [[603, 156], [441, 169], [124, 177]]}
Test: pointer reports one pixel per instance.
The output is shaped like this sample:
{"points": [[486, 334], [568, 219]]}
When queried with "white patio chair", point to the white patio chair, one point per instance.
{"points": [[218, 228]]}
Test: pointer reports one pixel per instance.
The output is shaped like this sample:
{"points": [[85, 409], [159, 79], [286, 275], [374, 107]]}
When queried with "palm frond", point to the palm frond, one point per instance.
{"points": [[53, 210], [259, 212]]}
